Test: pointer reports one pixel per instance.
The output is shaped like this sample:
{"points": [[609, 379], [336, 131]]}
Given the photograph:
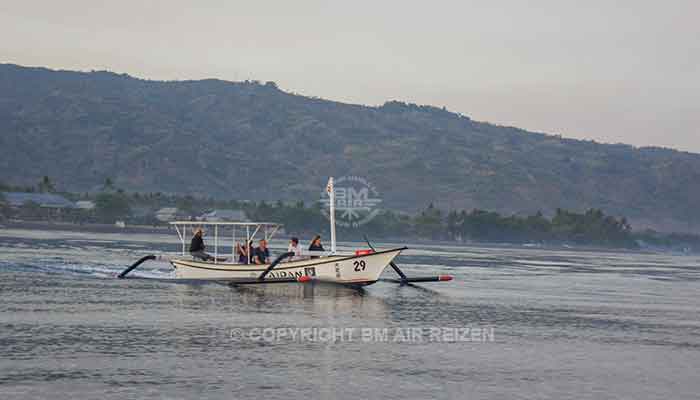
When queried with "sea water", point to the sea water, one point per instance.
{"points": [[516, 322]]}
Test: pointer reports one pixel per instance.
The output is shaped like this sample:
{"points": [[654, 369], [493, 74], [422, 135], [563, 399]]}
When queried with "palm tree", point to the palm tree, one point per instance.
{"points": [[108, 185], [4, 208], [46, 185]]}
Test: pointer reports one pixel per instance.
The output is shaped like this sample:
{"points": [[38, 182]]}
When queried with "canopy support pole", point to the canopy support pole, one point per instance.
{"points": [[331, 194], [182, 238], [216, 244]]}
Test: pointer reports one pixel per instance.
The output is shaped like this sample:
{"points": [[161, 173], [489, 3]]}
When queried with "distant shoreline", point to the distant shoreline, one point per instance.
{"points": [[167, 230]]}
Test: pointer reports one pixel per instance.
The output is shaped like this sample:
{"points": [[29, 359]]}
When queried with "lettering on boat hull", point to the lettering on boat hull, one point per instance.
{"points": [[309, 271]]}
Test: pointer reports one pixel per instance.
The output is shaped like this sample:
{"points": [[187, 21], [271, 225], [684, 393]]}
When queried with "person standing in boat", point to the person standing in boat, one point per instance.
{"points": [[197, 246], [262, 253], [316, 245]]}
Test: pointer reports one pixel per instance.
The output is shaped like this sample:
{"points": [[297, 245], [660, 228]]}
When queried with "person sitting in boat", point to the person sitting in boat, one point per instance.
{"points": [[197, 246], [242, 251], [262, 253], [294, 248], [316, 245]]}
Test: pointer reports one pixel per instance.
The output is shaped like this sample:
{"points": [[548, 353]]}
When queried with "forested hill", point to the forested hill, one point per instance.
{"points": [[251, 140]]}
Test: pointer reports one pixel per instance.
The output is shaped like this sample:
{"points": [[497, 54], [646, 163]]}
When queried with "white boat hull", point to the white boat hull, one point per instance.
{"points": [[355, 270]]}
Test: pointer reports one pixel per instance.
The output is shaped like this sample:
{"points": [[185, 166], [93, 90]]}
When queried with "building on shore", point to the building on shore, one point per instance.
{"points": [[85, 205], [167, 214], [224, 215], [39, 205]]}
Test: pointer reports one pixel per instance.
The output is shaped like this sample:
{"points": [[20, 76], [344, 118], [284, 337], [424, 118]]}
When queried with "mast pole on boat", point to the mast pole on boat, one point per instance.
{"points": [[331, 194]]}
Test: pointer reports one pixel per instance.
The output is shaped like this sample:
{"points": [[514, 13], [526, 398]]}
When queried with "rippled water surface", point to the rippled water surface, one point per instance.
{"points": [[515, 323]]}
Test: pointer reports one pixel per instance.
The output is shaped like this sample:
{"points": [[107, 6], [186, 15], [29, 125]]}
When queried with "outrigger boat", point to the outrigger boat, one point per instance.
{"points": [[358, 268]]}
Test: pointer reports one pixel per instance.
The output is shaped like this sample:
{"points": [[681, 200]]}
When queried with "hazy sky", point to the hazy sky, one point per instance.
{"points": [[613, 71]]}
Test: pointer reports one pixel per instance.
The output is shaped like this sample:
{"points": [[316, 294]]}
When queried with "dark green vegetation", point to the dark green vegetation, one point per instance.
{"points": [[591, 228], [249, 140], [4, 208]]}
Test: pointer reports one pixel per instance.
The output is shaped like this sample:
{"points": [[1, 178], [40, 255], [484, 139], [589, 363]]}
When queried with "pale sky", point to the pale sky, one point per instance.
{"points": [[612, 71]]}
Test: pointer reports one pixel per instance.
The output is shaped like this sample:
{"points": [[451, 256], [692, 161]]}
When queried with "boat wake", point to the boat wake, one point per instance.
{"points": [[93, 270]]}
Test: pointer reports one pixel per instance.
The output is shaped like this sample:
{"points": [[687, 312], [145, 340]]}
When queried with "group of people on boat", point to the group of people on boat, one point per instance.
{"points": [[295, 248], [248, 253], [256, 255]]}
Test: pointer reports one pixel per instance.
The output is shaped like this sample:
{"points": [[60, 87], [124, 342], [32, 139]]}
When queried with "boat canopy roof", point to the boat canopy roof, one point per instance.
{"points": [[250, 230], [224, 223]]}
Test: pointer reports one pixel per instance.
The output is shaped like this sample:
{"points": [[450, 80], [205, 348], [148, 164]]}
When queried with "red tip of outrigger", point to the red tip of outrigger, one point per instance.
{"points": [[445, 277], [304, 278]]}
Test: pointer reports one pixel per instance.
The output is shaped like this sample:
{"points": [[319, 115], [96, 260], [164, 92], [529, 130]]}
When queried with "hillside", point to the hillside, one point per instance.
{"points": [[249, 140]]}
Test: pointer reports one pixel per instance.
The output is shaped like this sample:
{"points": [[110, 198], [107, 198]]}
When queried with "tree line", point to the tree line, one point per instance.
{"points": [[592, 227]]}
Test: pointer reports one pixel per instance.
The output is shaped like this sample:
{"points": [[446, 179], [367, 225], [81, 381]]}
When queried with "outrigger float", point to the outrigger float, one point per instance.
{"points": [[359, 268]]}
